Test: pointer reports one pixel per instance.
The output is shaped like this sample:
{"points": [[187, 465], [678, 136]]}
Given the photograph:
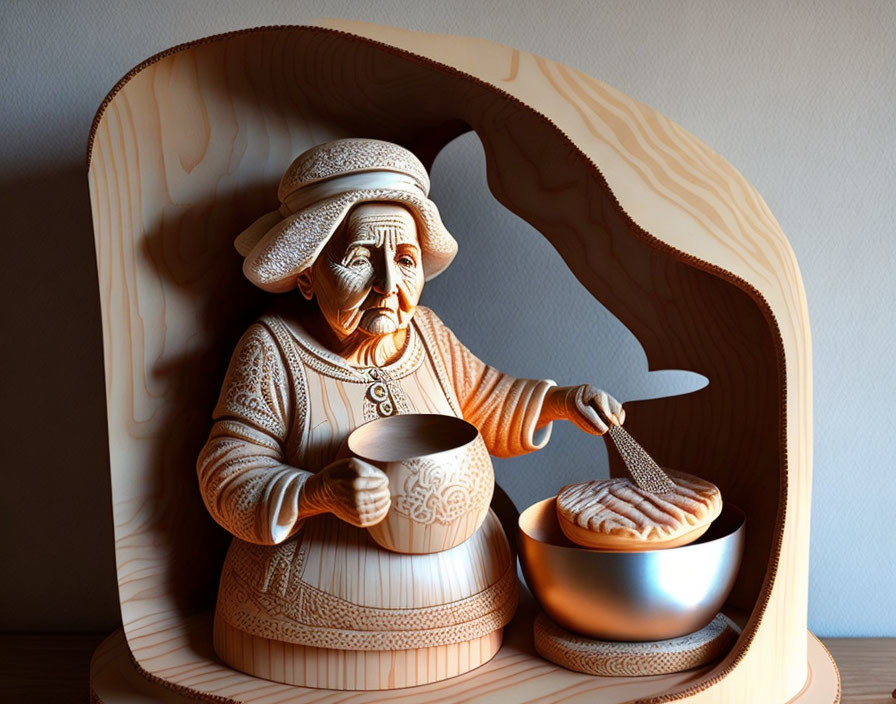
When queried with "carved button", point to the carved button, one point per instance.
{"points": [[386, 408], [378, 392]]}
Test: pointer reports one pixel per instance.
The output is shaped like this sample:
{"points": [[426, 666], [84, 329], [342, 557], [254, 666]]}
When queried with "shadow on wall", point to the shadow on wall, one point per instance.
{"points": [[186, 246], [515, 303], [55, 514]]}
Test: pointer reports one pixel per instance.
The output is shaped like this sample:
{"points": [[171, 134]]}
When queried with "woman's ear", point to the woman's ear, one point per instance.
{"points": [[303, 281]]}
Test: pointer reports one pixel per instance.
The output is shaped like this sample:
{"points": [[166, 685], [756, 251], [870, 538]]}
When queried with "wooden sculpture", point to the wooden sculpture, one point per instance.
{"points": [[356, 234], [187, 151]]}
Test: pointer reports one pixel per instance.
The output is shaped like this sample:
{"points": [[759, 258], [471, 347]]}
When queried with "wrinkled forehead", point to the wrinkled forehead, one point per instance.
{"points": [[376, 224]]}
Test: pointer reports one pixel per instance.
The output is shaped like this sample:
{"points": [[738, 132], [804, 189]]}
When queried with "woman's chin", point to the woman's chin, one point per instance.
{"points": [[379, 325]]}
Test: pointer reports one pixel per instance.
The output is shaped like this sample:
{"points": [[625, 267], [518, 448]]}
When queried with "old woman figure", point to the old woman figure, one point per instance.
{"points": [[306, 597]]}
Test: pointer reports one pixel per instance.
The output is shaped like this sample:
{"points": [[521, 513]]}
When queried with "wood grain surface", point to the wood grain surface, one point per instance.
{"points": [[348, 669], [666, 234], [517, 674], [42, 667], [867, 668]]}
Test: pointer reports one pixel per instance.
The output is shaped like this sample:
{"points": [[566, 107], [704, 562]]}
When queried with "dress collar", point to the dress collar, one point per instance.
{"points": [[327, 362]]}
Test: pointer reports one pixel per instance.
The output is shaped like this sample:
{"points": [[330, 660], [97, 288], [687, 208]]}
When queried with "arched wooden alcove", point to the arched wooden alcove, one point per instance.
{"points": [[187, 149]]}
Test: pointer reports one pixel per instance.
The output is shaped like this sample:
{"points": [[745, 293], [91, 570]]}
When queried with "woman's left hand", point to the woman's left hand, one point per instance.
{"points": [[587, 406]]}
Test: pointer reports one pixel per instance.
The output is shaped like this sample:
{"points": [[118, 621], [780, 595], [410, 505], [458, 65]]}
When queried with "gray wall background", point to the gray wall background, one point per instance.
{"points": [[799, 96]]}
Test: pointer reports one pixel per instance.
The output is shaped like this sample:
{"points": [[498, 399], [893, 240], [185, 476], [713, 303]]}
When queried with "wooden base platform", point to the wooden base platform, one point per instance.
{"points": [[350, 670], [516, 674], [620, 659]]}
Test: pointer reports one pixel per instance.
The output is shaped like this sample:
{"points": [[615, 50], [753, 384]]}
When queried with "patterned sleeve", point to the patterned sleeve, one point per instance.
{"points": [[244, 482], [505, 409]]}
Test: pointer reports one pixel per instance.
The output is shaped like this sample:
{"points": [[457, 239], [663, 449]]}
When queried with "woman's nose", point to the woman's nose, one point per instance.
{"points": [[387, 281]]}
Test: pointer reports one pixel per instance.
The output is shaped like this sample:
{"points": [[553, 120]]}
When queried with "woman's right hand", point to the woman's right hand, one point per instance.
{"points": [[354, 490]]}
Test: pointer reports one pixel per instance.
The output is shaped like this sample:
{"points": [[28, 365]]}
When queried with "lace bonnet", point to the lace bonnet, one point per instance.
{"points": [[316, 193]]}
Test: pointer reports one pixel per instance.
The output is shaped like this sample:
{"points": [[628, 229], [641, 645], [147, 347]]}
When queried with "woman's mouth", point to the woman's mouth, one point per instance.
{"points": [[380, 310]]}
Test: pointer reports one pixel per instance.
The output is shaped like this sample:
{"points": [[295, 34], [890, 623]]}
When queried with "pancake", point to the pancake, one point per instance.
{"points": [[616, 514]]}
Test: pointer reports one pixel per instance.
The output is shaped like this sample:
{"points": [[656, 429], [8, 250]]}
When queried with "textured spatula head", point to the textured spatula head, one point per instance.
{"points": [[646, 473]]}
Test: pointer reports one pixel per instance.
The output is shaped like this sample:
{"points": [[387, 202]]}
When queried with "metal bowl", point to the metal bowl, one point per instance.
{"points": [[629, 596]]}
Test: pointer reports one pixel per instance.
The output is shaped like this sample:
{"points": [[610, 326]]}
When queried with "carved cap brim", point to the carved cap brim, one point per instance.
{"points": [[292, 244]]}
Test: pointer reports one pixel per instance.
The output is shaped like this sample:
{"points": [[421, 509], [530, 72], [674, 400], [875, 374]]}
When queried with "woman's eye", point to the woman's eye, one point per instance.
{"points": [[405, 260], [356, 258]]}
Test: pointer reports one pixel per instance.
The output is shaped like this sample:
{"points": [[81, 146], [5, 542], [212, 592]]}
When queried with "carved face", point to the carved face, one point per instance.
{"points": [[370, 275]]}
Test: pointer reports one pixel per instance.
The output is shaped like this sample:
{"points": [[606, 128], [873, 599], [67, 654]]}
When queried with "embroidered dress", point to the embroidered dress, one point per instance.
{"points": [[285, 409]]}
